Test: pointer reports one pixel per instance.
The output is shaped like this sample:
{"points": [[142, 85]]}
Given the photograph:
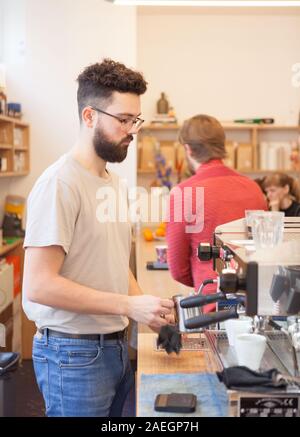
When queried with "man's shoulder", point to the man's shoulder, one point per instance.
{"points": [[61, 170], [189, 182], [60, 173]]}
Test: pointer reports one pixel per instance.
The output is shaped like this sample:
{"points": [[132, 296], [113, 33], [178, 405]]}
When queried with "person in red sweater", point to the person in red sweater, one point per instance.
{"points": [[214, 195]]}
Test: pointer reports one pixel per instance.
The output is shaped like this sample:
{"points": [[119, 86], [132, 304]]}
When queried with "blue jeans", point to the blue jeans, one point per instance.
{"points": [[82, 377]]}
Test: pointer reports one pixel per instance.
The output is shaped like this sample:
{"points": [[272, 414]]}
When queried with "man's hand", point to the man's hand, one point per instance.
{"points": [[169, 318], [150, 310]]}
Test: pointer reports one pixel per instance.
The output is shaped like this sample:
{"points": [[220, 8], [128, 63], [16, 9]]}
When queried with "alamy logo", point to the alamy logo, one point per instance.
{"points": [[139, 205], [296, 75]]}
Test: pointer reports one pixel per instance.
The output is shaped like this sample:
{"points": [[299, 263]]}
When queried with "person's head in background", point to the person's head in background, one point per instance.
{"points": [[203, 138], [281, 191], [108, 99], [260, 183]]}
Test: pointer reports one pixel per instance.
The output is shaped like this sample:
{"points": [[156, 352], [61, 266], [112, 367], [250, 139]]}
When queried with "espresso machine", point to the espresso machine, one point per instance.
{"points": [[263, 284]]}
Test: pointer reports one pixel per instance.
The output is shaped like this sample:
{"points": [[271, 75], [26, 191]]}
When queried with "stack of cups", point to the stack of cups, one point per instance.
{"points": [[249, 348], [234, 327]]}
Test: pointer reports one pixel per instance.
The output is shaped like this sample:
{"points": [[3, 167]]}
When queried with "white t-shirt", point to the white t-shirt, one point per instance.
{"points": [[70, 207]]}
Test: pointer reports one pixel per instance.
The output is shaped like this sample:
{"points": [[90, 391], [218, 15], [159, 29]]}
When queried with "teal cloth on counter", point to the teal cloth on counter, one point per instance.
{"points": [[212, 398]]}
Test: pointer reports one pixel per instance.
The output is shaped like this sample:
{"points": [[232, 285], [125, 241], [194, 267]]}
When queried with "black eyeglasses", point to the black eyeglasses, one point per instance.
{"points": [[126, 122]]}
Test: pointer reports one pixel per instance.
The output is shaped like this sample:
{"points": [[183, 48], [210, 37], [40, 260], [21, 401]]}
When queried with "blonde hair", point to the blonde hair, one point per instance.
{"points": [[281, 180], [205, 136]]}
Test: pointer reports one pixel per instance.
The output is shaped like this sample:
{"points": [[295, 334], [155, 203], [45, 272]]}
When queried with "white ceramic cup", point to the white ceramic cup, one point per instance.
{"points": [[249, 349], [235, 327]]}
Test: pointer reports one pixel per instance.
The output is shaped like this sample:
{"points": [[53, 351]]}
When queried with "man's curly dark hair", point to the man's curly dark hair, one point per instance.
{"points": [[100, 80]]}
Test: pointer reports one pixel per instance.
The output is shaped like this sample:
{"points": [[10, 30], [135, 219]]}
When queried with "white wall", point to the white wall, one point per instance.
{"points": [[232, 65], [47, 44]]}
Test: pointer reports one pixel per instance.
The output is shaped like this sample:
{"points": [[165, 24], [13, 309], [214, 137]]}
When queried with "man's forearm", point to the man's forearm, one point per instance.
{"points": [[65, 294]]}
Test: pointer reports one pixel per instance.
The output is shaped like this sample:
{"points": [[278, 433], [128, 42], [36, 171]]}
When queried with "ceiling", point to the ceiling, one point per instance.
{"points": [[194, 10]]}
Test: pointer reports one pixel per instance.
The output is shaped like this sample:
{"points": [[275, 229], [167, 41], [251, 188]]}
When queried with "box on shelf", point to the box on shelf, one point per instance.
{"points": [[167, 150], [19, 161], [18, 137], [147, 153], [275, 155], [230, 159], [244, 157], [5, 160], [6, 132]]}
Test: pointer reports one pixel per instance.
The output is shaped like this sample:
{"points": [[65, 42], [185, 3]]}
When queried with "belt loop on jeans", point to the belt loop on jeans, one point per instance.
{"points": [[101, 340], [46, 333]]}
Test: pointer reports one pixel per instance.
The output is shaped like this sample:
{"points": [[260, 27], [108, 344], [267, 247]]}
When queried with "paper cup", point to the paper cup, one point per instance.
{"points": [[250, 349], [161, 253]]}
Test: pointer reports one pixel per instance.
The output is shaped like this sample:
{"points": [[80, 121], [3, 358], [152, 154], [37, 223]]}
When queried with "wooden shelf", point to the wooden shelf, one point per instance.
{"points": [[21, 173], [272, 171], [237, 126], [251, 171], [140, 171], [20, 149], [7, 174], [239, 133], [162, 126], [277, 127], [6, 147], [14, 120], [14, 146]]}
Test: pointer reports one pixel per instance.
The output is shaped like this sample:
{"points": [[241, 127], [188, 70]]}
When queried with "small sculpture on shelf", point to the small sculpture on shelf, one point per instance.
{"points": [[164, 112], [162, 105]]}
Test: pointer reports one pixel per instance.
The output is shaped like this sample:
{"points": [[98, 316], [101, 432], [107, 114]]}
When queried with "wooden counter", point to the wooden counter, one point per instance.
{"points": [[152, 362]]}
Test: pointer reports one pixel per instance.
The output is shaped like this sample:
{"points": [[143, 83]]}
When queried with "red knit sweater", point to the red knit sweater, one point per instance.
{"points": [[226, 195]]}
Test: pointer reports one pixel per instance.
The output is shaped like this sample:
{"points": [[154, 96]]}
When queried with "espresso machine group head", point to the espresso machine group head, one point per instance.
{"points": [[269, 279]]}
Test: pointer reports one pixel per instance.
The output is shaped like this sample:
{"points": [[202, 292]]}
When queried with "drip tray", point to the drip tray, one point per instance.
{"points": [[278, 352]]}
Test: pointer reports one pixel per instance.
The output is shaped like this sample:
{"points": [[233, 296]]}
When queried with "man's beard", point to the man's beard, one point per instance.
{"points": [[108, 150]]}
